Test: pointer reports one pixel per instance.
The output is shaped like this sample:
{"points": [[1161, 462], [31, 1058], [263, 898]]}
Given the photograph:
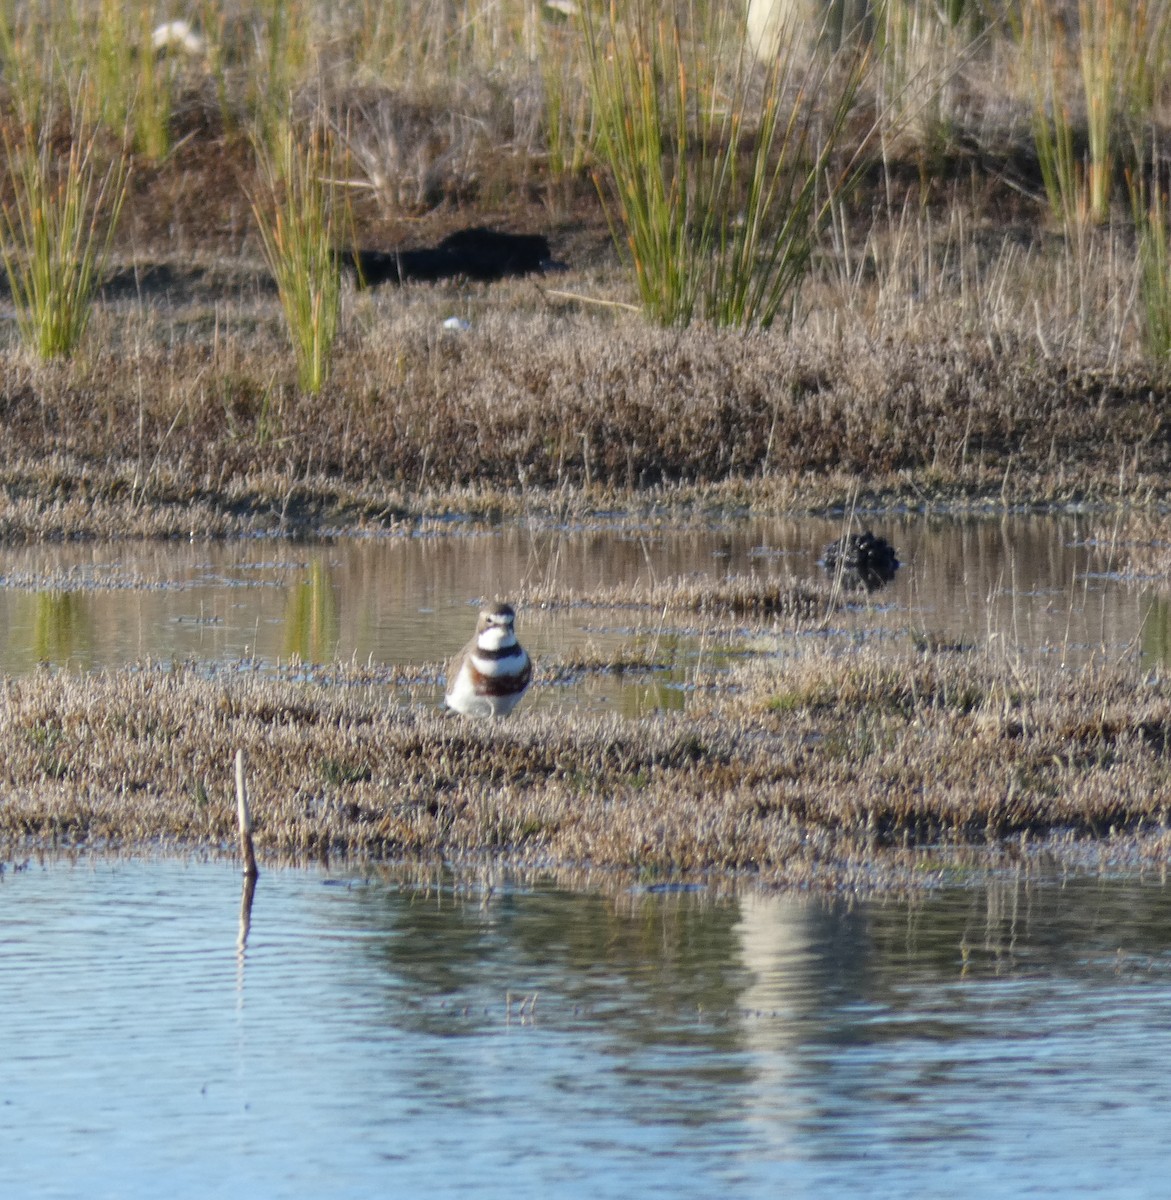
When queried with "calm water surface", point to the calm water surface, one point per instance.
{"points": [[381, 1036], [1047, 588]]}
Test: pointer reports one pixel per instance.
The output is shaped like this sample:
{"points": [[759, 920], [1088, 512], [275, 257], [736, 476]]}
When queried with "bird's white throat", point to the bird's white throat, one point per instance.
{"points": [[496, 637]]}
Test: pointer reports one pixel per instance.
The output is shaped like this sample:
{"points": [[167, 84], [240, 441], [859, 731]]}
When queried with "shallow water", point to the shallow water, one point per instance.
{"points": [[1047, 588], [383, 1036]]}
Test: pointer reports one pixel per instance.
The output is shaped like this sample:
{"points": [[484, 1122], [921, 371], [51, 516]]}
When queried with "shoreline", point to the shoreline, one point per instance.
{"points": [[96, 505], [906, 874]]}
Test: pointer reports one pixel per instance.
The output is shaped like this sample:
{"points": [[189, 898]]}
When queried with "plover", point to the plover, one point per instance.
{"points": [[489, 675]]}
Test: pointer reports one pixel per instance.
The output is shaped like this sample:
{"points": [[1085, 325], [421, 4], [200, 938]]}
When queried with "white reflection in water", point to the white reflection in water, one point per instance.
{"points": [[777, 936]]}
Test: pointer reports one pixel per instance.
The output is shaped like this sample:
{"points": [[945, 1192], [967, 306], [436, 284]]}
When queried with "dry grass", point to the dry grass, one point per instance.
{"points": [[739, 595], [948, 350], [209, 435], [816, 768]]}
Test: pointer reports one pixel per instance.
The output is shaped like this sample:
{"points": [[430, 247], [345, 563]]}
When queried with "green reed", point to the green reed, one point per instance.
{"points": [[719, 175], [1149, 206], [298, 217], [1093, 90], [132, 85], [58, 225]]}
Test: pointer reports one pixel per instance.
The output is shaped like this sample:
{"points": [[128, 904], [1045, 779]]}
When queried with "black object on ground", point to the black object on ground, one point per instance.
{"points": [[477, 253]]}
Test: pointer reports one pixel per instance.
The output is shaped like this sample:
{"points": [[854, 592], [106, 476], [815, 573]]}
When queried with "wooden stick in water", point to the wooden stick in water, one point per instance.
{"points": [[247, 891], [245, 814]]}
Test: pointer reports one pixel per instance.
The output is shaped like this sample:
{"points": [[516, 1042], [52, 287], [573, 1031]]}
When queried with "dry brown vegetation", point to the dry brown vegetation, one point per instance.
{"points": [[731, 596], [820, 768], [183, 440]]}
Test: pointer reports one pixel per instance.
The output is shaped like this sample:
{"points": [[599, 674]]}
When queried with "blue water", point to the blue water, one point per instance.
{"points": [[409, 1036]]}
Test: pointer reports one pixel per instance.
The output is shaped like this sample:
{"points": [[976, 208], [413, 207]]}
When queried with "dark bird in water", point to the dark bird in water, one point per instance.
{"points": [[477, 253], [864, 560]]}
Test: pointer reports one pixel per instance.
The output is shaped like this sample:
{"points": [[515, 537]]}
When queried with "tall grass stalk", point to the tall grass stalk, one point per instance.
{"points": [[420, 44], [718, 179], [567, 121], [921, 47], [1112, 46], [1046, 55], [297, 219], [58, 227], [1154, 266], [133, 86], [281, 56], [28, 65]]}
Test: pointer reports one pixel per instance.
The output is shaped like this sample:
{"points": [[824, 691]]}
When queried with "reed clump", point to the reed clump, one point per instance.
{"points": [[1095, 91], [719, 173], [299, 224], [59, 225]]}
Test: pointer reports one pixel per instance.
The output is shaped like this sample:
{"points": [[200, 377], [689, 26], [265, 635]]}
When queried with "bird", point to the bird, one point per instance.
{"points": [[489, 675], [863, 560]]}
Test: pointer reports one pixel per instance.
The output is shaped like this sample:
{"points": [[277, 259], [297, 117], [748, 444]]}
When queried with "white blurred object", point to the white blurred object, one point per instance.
{"points": [[458, 324], [178, 35], [773, 26]]}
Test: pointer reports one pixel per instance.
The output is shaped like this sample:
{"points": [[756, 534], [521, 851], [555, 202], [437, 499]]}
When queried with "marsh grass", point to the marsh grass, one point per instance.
{"points": [[59, 225], [914, 409], [718, 178], [128, 87], [1048, 72], [277, 63], [299, 219], [1149, 205], [921, 48], [132, 85], [968, 362], [420, 43], [568, 120], [950, 350], [800, 769]]}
